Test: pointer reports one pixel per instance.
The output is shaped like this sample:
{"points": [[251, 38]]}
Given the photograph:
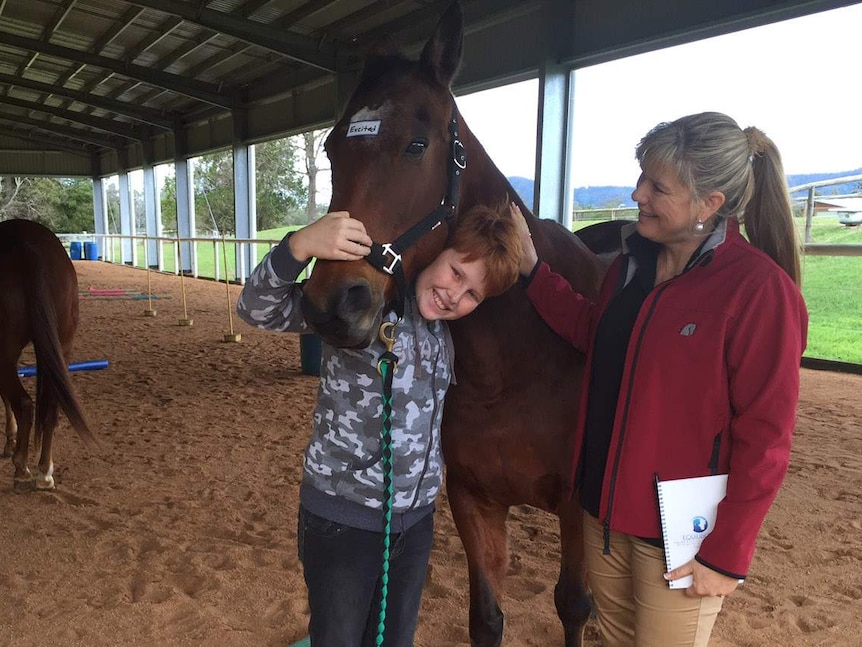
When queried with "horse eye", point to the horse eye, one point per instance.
{"points": [[416, 148]]}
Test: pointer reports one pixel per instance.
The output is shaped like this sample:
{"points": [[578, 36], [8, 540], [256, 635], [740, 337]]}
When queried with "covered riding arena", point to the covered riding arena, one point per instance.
{"points": [[179, 529]]}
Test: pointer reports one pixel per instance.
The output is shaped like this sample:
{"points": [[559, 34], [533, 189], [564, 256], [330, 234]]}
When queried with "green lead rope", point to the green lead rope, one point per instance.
{"points": [[386, 367]]}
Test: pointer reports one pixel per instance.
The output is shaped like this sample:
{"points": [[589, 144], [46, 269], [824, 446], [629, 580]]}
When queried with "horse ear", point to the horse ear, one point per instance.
{"points": [[441, 56]]}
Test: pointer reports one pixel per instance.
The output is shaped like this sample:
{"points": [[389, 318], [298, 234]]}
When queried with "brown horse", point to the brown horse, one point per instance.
{"points": [[38, 304], [399, 148]]}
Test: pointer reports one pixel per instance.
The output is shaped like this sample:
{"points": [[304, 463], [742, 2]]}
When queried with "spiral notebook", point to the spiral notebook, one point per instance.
{"points": [[687, 508]]}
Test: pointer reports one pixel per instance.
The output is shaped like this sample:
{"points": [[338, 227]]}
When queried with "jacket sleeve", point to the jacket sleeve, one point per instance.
{"points": [[568, 313], [764, 350], [270, 297]]}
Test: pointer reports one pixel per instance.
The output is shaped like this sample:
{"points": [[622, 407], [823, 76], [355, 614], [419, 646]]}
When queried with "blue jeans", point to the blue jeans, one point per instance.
{"points": [[342, 567]]}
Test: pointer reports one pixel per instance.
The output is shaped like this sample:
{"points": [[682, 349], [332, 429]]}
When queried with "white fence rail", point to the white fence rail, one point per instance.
{"points": [[172, 254]]}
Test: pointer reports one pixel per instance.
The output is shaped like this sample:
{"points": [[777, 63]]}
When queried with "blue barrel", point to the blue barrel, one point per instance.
{"points": [[91, 251], [310, 350], [75, 250]]}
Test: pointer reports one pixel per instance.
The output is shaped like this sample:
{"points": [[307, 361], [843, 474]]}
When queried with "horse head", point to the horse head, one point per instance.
{"points": [[396, 164]]}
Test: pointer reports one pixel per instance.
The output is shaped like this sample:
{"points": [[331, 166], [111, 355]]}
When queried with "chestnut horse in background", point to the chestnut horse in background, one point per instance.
{"points": [[508, 423], [38, 304]]}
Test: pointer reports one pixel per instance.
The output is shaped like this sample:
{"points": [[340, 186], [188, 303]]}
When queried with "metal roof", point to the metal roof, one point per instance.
{"points": [[88, 87]]}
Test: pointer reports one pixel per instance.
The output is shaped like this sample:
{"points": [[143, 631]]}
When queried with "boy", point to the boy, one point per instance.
{"points": [[340, 531]]}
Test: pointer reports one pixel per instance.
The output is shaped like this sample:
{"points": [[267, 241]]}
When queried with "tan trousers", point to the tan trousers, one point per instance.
{"points": [[634, 605]]}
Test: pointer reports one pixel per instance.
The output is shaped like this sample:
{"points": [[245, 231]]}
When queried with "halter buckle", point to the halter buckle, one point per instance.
{"points": [[459, 155], [396, 258]]}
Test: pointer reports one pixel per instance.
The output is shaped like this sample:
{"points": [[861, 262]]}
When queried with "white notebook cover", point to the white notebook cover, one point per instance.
{"points": [[688, 509]]}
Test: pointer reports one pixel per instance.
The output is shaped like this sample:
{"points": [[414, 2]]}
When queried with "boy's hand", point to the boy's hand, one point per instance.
{"points": [[333, 237], [529, 257]]}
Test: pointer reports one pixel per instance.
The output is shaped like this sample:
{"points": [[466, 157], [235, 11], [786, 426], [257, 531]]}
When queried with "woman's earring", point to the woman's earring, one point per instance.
{"points": [[698, 226]]}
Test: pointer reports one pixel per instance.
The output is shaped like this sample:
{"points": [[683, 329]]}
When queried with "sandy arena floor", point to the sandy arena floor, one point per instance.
{"points": [[180, 528]]}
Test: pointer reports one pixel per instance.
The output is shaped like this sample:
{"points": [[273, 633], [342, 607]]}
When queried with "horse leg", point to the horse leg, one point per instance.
{"points": [[44, 436], [11, 429], [570, 595], [482, 527], [21, 405]]}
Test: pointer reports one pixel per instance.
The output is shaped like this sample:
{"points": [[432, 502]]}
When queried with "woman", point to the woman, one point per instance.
{"points": [[693, 363], [340, 531]]}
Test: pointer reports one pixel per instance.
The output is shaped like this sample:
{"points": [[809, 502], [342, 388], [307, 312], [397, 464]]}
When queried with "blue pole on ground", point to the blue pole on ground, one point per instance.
{"points": [[90, 365]]}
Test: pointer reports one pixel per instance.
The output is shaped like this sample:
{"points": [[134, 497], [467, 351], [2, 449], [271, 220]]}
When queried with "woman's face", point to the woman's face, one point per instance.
{"points": [[450, 288], [667, 214]]}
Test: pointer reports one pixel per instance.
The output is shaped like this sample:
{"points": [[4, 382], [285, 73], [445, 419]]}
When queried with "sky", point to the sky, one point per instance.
{"points": [[796, 80]]}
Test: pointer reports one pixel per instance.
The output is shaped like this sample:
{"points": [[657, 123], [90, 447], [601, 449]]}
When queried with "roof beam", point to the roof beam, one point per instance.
{"points": [[307, 9], [200, 90], [249, 8], [71, 133], [153, 117], [122, 23], [298, 47], [48, 31], [30, 135], [127, 131]]}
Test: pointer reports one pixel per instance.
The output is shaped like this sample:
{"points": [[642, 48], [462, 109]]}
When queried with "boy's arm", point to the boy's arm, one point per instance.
{"points": [[270, 297]]}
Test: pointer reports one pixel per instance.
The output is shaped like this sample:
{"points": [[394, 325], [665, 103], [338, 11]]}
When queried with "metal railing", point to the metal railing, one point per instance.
{"points": [[171, 254]]}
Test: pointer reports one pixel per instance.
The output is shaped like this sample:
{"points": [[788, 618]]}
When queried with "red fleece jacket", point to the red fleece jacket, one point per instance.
{"points": [[712, 369]]}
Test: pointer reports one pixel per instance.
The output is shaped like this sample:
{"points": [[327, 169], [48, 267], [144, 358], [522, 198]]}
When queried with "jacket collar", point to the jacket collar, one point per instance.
{"points": [[636, 249], [725, 227]]}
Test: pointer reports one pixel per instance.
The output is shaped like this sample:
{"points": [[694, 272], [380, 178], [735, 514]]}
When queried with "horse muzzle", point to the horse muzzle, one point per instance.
{"points": [[345, 313]]}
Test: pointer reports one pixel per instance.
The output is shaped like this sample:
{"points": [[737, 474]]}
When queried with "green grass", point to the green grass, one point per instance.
{"points": [[831, 285]]}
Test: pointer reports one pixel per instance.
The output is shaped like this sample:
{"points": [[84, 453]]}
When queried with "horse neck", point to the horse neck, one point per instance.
{"points": [[482, 183]]}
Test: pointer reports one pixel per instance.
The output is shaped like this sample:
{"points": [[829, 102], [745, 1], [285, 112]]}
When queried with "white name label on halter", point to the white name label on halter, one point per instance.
{"points": [[364, 128]]}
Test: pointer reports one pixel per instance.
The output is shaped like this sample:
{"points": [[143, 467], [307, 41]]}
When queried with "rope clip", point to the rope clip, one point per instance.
{"points": [[387, 336]]}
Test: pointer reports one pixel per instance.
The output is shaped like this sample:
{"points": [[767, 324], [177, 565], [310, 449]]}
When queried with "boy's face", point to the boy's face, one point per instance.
{"points": [[450, 288]]}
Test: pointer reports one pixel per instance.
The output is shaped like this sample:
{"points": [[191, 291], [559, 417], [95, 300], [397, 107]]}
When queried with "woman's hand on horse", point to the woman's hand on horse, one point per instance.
{"points": [[333, 237], [529, 257]]}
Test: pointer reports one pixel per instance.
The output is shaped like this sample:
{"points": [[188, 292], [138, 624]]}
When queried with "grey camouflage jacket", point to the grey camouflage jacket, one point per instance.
{"points": [[342, 477]]}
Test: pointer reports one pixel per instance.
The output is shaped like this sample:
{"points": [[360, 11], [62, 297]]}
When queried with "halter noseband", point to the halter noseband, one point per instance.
{"points": [[388, 256]]}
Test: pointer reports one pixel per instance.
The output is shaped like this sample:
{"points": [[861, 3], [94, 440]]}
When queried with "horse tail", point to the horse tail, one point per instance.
{"points": [[52, 376]]}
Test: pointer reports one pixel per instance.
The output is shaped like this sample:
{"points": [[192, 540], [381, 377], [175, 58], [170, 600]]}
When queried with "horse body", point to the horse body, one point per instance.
{"points": [[38, 304], [508, 422]]}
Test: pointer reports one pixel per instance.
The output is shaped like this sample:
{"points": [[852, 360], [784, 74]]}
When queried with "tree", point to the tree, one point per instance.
{"points": [[74, 206], [63, 205], [213, 187], [168, 199], [112, 204], [9, 188], [313, 141], [281, 191]]}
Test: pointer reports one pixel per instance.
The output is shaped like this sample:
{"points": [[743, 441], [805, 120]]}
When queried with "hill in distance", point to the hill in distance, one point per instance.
{"points": [[597, 197]]}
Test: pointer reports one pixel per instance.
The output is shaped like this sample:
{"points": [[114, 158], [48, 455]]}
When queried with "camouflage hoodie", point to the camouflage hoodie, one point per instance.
{"points": [[342, 478]]}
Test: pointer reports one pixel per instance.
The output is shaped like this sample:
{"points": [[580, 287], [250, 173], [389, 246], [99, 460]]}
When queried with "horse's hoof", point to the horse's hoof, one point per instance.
{"points": [[22, 486], [44, 484]]}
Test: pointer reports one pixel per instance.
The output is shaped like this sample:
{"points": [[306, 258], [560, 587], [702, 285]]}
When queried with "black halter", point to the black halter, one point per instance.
{"points": [[388, 256]]}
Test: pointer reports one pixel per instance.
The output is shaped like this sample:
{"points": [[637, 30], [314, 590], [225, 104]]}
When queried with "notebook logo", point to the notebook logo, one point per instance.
{"points": [[699, 524], [688, 330]]}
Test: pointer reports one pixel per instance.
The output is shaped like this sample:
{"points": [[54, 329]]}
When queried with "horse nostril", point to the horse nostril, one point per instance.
{"points": [[355, 300]]}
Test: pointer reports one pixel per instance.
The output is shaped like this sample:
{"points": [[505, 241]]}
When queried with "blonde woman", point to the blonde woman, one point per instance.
{"points": [[693, 362]]}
